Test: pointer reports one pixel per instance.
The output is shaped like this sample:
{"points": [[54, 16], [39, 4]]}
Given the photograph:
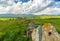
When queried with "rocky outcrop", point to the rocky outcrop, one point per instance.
{"points": [[47, 32], [35, 34]]}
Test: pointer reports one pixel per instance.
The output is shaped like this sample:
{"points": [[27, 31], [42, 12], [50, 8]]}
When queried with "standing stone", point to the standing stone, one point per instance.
{"points": [[40, 33], [35, 34], [30, 29], [47, 32], [32, 25]]}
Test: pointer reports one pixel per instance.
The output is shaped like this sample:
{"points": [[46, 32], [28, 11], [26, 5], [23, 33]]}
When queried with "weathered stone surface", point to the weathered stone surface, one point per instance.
{"points": [[31, 25], [48, 28], [35, 34], [47, 32]]}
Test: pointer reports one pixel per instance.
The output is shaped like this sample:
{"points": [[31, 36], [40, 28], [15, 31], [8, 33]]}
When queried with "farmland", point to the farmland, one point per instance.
{"points": [[13, 29]]}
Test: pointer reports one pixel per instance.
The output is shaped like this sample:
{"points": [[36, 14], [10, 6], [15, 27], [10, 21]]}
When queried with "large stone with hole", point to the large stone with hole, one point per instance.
{"points": [[47, 32]]}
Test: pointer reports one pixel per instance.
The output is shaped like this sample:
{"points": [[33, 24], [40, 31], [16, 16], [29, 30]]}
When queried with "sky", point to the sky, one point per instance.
{"points": [[36, 7]]}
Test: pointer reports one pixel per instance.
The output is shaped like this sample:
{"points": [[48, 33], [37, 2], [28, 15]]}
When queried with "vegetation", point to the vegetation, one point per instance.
{"points": [[13, 29]]}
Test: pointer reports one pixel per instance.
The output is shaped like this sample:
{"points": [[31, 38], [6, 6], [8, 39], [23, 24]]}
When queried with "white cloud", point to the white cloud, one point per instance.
{"points": [[53, 10], [36, 7], [49, 11]]}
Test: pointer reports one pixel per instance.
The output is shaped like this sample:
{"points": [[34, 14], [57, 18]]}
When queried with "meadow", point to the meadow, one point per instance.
{"points": [[13, 29]]}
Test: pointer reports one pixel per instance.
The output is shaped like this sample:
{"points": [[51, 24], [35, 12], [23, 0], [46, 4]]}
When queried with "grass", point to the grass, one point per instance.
{"points": [[14, 29]]}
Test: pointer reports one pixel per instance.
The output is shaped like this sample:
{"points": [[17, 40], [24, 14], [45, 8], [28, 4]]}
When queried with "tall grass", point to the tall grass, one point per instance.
{"points": [[14, 30]]}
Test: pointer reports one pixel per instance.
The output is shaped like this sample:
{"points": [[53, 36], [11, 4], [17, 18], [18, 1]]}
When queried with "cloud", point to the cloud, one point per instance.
{"points": [[54, 9], [37, 7], [49, 11]]}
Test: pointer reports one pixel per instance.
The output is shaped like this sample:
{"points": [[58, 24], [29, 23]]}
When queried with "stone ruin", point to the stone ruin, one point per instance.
{"points": [[30, 29], [46, 32], [49, 33]]}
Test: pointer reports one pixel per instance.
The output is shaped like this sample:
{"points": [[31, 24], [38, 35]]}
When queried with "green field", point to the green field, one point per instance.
{"points": [[13, 29]]}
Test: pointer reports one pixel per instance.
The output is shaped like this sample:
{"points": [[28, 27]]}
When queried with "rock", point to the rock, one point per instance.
{"points": [[47, 32], [31, 25]]}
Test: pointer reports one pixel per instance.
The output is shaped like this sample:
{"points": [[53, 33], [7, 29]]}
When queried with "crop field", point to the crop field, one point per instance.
{"points": [[43, 17], [13, 29]]}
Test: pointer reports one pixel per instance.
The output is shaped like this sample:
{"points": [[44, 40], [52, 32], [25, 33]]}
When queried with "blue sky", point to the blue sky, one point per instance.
{"points": [[25, 0], [29, 0], [37, 7], [57, 0], [21, 0]]}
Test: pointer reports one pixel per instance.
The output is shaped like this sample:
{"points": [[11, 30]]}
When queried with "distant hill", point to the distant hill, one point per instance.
{"points": [[53, 14], [24, 15], [15, 15]]}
